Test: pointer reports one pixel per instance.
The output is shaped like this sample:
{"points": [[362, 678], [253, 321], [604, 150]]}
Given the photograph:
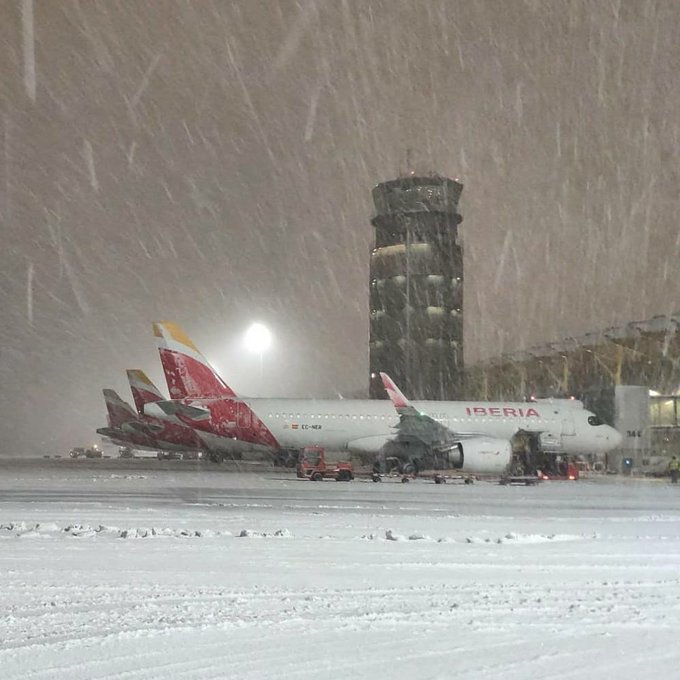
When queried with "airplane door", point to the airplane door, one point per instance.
{"points": [[568, 428], [243, 417]]}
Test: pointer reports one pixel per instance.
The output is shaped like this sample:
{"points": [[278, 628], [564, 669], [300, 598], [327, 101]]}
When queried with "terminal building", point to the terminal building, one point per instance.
{"points": [[416, 288], [600, 369]]}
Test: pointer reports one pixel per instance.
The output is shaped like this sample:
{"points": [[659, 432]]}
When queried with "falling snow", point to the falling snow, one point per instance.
{"points": [[211, 162], [28, 48]]}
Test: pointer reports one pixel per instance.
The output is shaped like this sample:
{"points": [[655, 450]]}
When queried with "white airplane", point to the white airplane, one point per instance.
{"points": [[470, 436]]}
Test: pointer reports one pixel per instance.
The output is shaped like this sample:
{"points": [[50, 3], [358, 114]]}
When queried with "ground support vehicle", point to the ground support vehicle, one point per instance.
{"points": [[565, 472], [169, 455], [520, 480], [377, 476], [439, 478], [81, 452], [312, 465]]}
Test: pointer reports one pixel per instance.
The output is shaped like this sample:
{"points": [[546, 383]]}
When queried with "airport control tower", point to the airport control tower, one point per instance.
{"points": [[416, 289]]}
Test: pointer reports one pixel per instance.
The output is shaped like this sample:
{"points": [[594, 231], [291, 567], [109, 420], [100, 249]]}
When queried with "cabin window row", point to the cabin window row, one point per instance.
{"points": [[469, 419], [327, 416]]}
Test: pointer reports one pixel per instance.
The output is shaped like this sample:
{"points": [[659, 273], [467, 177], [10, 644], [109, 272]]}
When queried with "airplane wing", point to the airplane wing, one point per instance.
{"points": [[443, 448], [414, 425]]}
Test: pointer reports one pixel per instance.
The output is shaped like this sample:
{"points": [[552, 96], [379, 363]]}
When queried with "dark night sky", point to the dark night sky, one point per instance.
{"points": [[212, 163]]}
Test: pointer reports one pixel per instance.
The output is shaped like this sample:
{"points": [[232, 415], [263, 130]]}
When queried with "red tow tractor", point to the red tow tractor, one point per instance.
{"points": [[312, 465], [568, 471]]}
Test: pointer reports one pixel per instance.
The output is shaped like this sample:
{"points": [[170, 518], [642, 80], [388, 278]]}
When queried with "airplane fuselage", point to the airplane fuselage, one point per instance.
{"points": [[365, 424]]}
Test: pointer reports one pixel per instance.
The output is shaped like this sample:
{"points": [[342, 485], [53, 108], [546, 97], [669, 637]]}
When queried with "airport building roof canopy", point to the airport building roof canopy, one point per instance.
{"points": [[637, 353], [659, 327]]}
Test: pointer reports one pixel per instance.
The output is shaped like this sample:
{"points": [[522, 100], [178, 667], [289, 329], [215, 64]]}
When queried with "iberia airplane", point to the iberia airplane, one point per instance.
{"points": [[470, 436]]}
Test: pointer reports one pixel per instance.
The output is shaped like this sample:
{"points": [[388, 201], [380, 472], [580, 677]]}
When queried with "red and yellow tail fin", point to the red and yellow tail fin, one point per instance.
{"points": [[143, 390], [187, 371]]}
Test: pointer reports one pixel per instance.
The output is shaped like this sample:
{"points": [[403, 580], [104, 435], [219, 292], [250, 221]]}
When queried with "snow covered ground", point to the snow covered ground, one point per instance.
{"points": [[172, 574]]}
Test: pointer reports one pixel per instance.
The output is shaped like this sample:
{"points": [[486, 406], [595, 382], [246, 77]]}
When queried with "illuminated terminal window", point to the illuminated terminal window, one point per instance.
{"points": [[664, 411]]}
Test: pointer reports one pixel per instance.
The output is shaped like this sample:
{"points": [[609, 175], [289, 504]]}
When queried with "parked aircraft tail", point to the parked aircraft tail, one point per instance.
{"points": [[187, 371], [143, 390], [119, 411]]}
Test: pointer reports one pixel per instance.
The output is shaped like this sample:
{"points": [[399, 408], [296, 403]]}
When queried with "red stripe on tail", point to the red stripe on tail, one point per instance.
{"points": [[188, 377]]}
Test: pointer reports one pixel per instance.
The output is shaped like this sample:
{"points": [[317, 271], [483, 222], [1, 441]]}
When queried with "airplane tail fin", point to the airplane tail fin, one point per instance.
{"points": [[119, 411], [187, 371], [143, 390]]}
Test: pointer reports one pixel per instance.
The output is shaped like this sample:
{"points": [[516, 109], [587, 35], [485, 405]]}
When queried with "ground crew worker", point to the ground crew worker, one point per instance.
{"points": [[674, 468]]}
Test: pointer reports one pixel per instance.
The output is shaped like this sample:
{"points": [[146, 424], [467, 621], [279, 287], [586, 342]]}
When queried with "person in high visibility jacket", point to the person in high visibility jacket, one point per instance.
{"points": [[674, 468]]}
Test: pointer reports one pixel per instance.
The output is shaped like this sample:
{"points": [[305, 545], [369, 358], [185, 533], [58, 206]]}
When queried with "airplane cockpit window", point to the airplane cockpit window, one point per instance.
{"points": [[595, 420]]}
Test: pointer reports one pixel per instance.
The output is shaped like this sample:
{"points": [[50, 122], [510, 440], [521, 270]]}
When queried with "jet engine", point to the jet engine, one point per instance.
{"points": [[487, 455], [483, 455]]}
